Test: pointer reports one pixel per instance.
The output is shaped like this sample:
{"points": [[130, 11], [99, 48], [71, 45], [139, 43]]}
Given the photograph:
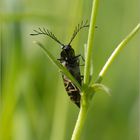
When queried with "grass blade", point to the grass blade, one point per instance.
{"points": [[100, 87], [61, 67], [116, 52]]}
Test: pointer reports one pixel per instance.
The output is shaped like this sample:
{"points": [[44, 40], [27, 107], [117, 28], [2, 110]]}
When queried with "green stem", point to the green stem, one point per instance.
{"points": [[116, 52], [80, 122], [90, 41], [84, 102]]}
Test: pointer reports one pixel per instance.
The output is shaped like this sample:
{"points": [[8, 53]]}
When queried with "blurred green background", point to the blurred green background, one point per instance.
{"points": [[33, 102]]}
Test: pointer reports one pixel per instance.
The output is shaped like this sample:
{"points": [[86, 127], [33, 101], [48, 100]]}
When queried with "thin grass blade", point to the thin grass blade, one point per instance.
{"points": [[61, 67]]}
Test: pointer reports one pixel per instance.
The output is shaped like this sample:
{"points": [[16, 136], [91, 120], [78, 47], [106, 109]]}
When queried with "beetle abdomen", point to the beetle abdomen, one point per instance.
{"points": [[72, 91]]}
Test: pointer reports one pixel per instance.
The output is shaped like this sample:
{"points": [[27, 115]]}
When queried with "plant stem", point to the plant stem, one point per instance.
{"points": [[116, 52], [90, 41], [80, 122], [84, 102]]}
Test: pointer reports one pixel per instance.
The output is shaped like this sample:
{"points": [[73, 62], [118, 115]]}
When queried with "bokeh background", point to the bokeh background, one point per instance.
{"points": [[33, 101]]}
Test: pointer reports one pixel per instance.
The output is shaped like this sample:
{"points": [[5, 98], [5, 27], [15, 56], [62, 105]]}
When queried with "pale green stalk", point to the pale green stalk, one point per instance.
{"points": [[90, 41], [84, 103], [80, 123], [117, 51]]}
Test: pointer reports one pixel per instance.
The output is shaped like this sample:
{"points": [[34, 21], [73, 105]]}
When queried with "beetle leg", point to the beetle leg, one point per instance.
{"points": [[80, 56], [59, 59], [82, 65]]}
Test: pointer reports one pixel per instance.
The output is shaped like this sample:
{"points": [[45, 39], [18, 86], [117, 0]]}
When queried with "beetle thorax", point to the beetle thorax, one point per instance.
{"points": [[67, 53]]}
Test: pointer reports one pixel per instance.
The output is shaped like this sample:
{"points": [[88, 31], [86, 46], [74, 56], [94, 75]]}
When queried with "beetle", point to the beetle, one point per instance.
{"points": [[69, 60]]}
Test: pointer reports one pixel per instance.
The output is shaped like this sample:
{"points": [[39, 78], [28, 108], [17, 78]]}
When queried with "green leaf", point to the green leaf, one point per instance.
{"points": [[59, 65], [116, 52], [99, 87]]}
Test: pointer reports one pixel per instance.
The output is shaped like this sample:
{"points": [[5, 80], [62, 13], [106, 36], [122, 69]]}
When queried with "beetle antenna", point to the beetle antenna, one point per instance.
{"points": [[77, 29], [48, 33]]}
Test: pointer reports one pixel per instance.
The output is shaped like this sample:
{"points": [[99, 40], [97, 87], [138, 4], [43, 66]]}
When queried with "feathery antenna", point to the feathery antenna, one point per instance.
{"points": [[78, 28], [48, 33]]}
